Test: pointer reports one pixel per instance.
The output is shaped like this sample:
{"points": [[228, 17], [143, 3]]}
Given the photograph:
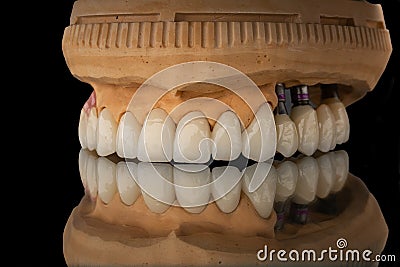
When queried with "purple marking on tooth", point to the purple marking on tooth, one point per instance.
{"points": [[303, 211], [281, 97], [302, 97], [280, 216]]}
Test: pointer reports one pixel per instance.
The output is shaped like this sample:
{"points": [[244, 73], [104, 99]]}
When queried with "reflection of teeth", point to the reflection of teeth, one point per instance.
{"points": [[342, 120], [226, 136], [155, 180], [82, 128], [263, 198], [91, 131], [127, 136], [342, 169], [156, 138], [192, 144], [106, 133], [191, 186], [305, 119], [226, 187], [287, 180], [307, 182], [287, 137], [259, 138], [327, 174], [327, 128], [91, 174], [128, 189], [107, 185]]}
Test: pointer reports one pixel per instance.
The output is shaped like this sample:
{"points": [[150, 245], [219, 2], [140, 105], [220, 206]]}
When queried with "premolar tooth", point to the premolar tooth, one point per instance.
{"points": [[155, 142], [192, 186], [263, 198], [327, 174], [307, 181], [227, 138], [126, 176], [107, 185], [92, 176], [226, 187], [127, 136], [287, 137], [155, 181], [106, 133], [91, 130], [192, 139], [259, 138], [342, 169], [287, 180], [327, 128], [82, 128]]}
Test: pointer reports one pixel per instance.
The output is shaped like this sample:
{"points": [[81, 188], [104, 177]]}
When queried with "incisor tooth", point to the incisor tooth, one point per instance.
{"points": [[259, 138], [287, 180], [342, 169], [327, 128], [226, 187], [83, 158], [127, 136], [82, 128], [107, 185], [287, 137], [91, 130], [327, 174], [155, 142], [227, 137], [307, 181], [106, 133], [126, 176]]}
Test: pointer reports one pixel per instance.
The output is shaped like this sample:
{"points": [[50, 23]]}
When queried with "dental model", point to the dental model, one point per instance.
{"points": [[189, 150]]}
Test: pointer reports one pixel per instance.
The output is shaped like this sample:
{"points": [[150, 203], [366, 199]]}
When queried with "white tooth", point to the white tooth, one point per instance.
{"points": [[305, 119], [192, 139], [107, 185], [287, 180], [327, 128], [83, 158], [259, 138], [287, 137], [327, 174], [342, 169], [156, 138], [126, 176], [227, 137], [106, 133], [226, 187], [155, 181], [192, 186], [127, 136], [263, 198], [91, 130], [342, 120], [307, 181], [82, 128], [92, 177]]}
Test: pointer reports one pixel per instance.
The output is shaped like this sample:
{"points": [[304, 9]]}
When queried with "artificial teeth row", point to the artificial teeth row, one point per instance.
{"points": [[189, 186]]}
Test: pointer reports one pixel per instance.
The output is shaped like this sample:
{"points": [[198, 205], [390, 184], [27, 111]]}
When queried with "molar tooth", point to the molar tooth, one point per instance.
{"points": [[106, 179], [126, 176], [82, 128], [192, 139], [155, 181], [226, 187], [106, 133], [327, 128], [307, 181], [227, 137], [192, 186], [287, 137], [262, 198], [287, 180], [327, 174], [92, 176], [91, 130], [156, 138], [259, 138], [127, 136], [342, 169]]}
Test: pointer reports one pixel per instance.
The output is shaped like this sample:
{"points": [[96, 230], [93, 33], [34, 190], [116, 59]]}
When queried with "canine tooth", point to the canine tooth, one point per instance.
{"points": [[307, 181], [259, 138], [327, 174], [327, 128], [126, 176], [83, 158], [82, 128], [226, 187], [227, 138], [156, 138], [155, 181], [192, 186], [107, 185], [263, 198], [127, 136], [92, 176], [287, 180], [106, 133], [192, 139], [287, 137], [342, 169], [91, 130]]}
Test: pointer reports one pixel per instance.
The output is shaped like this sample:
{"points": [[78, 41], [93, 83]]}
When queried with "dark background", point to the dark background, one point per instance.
{"points": [[373, 147]]}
